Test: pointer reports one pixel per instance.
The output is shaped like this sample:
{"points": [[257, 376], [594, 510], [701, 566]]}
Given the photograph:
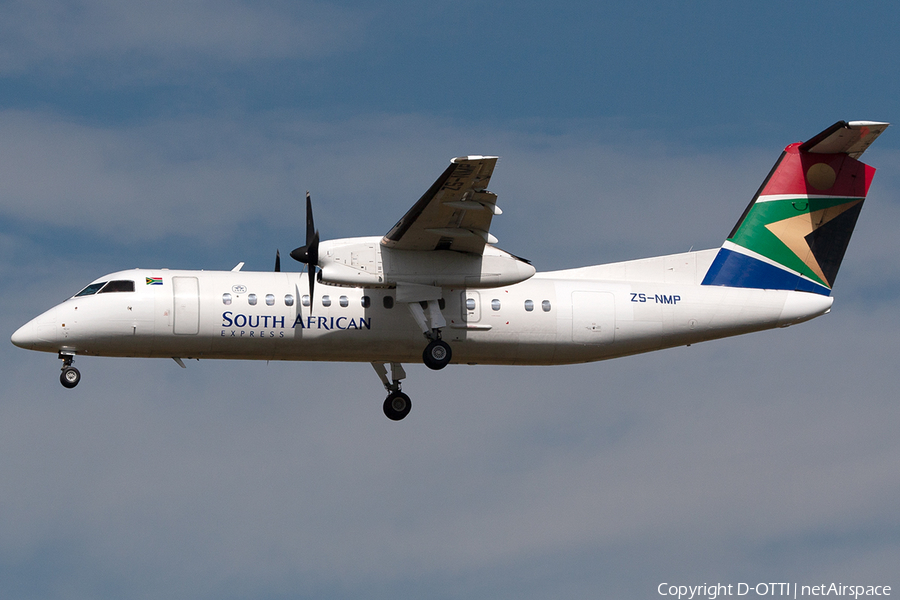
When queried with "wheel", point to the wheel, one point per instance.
{"points": [[69, 377], [396, 406], [437, 354]]}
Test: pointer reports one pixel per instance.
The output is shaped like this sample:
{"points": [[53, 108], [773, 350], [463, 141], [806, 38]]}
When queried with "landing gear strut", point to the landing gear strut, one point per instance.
{"points": [[437, 353], [397, 404], [70, 375]]}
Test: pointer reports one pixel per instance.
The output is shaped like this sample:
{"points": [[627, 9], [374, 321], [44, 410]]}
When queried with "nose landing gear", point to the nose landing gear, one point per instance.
{"points": [[397, 405], [70, 375]]}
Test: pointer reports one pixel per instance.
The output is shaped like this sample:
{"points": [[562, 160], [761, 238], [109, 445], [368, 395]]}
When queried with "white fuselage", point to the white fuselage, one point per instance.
{"points": [[577, 315]]}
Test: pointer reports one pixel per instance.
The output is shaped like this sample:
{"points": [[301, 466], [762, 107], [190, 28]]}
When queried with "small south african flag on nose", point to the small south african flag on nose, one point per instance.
{"points": [[154, 281]]}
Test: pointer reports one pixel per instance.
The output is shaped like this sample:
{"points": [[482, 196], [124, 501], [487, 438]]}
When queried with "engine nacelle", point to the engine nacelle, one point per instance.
{"points": [[339, 274], [364, 262]]}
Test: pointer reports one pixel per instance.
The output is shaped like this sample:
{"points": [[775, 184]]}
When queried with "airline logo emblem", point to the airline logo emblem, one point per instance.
{"points": [[794, 234]]}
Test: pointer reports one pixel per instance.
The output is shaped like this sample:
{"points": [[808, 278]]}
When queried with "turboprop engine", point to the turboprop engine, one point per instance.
{"points": [[366, 262]]}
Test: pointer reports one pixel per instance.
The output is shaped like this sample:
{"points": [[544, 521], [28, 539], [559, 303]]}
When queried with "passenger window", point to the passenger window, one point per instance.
{"points": [[388, 302], [345, 302], [226, 298], [529, 305], [118, 286], [365, 301], [470, 303], [289, 300], [545, 306], [326, 300], [270, 299], [91, 289], [251, 298], [304, 300], [495, 304]]}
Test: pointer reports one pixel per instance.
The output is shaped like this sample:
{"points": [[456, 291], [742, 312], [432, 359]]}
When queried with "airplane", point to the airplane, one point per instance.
{"points": [[438, 280]]}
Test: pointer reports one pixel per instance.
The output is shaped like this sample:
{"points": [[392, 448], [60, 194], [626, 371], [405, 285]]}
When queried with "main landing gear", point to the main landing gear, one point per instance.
{"points": [[70, 375], [397, 404], [437, 353]]}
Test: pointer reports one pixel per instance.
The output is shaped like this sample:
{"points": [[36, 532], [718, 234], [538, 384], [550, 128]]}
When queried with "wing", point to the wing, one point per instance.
{"points": [[454, 214]]}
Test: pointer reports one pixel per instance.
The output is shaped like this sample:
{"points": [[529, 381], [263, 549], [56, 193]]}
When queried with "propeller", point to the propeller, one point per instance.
{"points": [[309, 254], [277, 261]]}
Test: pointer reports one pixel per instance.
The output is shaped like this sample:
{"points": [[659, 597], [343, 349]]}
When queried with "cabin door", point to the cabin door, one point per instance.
{"points": [[187, 305]]}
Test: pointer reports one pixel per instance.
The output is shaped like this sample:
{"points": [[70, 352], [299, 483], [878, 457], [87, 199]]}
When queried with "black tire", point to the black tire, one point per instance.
{"points": [[437, 355], [396, 406], [69, 377]]}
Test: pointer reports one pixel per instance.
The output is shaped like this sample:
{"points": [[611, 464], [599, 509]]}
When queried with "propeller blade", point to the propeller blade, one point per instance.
{"points": [[309, 254], [277, 261], [310, 226], [312, 250], [312, 257]]}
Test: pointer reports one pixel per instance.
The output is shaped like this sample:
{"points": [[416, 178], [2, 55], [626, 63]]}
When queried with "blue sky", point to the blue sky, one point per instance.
{"points": [[184, 134]]}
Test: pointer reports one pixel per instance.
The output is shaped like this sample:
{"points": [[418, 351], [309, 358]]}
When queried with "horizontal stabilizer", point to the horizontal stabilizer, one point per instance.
{"points": [[851, 138]]}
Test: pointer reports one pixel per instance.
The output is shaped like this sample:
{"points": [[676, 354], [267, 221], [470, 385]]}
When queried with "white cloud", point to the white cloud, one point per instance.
{"points": [[206, 177], [172, 35]]}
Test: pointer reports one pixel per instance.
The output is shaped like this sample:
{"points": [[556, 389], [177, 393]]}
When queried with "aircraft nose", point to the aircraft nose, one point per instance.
{"points": [[38, 333], [25, 336]]}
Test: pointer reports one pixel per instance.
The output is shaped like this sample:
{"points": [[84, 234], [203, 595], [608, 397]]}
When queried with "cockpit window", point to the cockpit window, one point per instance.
{"points": [[107, 286], [91, 289], [118, 286]]}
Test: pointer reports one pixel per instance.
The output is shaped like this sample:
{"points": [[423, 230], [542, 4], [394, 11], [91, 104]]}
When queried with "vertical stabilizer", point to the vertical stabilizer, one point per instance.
{"points": [[795, 231]]}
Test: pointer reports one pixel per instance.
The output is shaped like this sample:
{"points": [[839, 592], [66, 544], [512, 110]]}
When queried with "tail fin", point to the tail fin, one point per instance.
{"points": [[795, 231]]}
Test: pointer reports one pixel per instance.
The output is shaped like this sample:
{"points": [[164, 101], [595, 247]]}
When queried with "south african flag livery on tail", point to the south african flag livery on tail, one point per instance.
{"points": [[795, 231]]}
